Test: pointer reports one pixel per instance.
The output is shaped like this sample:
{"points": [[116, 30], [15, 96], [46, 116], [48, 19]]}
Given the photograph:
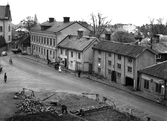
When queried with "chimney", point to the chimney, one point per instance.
{"points": [[80, 33], [51, 20], [66, 19]]}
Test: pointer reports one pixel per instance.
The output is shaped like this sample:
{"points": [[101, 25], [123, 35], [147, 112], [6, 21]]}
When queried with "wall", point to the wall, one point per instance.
{"points": [[44, 47], [151, 91], [5, 28], [146, 59]]}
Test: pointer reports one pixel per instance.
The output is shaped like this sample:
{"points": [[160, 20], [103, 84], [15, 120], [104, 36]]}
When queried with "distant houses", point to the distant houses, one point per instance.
{"points": [[46, 36]]}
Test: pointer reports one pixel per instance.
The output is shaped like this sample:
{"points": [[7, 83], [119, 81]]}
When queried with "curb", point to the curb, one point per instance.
{"points": [[34, 60]]}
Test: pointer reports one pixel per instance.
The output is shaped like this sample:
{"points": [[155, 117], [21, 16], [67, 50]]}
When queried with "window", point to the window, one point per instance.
{"points": [[79, 55], [71, 54], [9, 38], [99, 52], [109, 62], [99, 60], [146, 84], [9, 28], [109, 54], [158, 56], [44, 40], [0, 28], [119, 57], [50, 52], [47, 41], [129, 69], [54, 42], [50, 41], [99, 70], [109, 71], [118, 75], [71, 63], [129, 60], [61, 51], [158, 87], [118, 66], [44, 51]]}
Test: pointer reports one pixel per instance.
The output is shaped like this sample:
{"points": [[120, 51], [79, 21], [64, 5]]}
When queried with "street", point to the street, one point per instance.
{"points": [[37, 76]]}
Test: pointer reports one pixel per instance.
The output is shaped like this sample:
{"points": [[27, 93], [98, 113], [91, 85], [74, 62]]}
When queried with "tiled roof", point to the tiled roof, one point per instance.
{"points": [[5, 12], [120, 48], [56, 26], [158, 70], [159, 47], [75, 43]]}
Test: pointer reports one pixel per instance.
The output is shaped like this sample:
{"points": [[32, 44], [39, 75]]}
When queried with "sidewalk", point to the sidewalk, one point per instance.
{"points": [[90, 77]]}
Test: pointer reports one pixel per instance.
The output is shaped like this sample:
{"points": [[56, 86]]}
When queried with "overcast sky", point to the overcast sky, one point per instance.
{"points": [[136, 12]]}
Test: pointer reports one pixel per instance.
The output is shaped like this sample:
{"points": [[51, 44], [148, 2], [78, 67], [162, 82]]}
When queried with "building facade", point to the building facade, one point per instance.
{"points": [[153, 81], [45, 38], [75, 52], [120, 62], [5, 24]]}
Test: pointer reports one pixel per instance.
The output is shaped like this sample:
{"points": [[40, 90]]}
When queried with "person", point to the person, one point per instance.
{"points": [[10, 60], [5, 78], [79, 73], [59, 68], [64, 109]]}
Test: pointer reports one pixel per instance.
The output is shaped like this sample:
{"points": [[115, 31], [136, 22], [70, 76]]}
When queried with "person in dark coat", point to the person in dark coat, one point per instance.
{"points": [[5, 78], [79, 73], [64, 109]]}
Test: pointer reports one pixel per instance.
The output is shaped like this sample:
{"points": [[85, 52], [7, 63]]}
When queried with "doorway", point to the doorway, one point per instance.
{"points": [[129, 81]]}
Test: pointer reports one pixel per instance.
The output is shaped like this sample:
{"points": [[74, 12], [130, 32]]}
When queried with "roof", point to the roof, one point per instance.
{"points": [[159, 47], [55, 26], [159, 70], [121, 48], [75, 43], [5, 13]]}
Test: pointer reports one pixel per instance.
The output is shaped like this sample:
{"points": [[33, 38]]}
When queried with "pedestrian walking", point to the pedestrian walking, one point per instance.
{"points": [[64, 109], [79, 73], [60, 69], [5, 78]]}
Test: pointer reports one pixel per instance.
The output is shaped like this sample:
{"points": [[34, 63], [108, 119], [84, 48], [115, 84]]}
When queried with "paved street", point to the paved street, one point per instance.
{"points": [[33, 75]]}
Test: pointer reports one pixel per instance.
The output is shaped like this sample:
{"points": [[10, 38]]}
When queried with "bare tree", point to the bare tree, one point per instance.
{"points": [[99, 23], [28, 22]]}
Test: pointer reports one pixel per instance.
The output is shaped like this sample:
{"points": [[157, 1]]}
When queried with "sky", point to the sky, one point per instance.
{"points": [[136, 12]]}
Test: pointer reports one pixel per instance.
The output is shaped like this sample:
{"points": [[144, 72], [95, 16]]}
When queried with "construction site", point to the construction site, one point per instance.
{"points": [[28, 105]]}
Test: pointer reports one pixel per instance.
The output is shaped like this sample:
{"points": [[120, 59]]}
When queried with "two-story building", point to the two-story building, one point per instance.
{"points": [[5, 24], [119, 62], [46, 36], [75, 51], [153, 81]]}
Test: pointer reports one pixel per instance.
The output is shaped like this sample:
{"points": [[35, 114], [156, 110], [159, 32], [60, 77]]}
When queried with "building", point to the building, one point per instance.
{"points": [[76, 51], [153, 80], [5, 24], [119, 62], [46, 36]]}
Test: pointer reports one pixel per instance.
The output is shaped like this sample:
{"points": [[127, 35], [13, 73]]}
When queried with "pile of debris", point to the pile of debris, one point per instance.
{"points": [[31, 106]]}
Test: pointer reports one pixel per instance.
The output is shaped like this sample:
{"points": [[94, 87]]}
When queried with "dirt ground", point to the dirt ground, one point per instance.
{"points": [[74, 102]]}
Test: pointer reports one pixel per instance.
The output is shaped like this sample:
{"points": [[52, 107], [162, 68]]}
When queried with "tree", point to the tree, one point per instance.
{"points": [[151, 29], [99, 23], [122, 36], [28, 23]]}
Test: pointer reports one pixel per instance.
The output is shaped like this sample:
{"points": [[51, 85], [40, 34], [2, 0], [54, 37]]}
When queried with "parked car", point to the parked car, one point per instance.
{"points": [[24, 53], [4, 53], [15, 51]]}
